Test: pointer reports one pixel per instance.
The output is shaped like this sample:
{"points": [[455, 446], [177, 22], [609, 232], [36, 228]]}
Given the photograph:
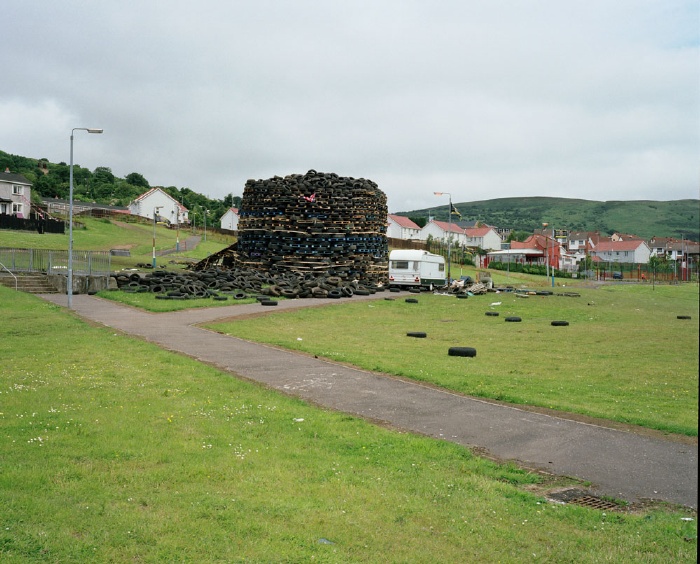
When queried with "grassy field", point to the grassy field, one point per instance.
{"points": [[114, 450], [103, 235], [624, 357]]}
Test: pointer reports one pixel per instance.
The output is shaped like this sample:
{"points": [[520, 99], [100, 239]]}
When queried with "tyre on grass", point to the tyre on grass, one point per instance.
{"points": [[462, 351], [559, 323], [513, 319], [417, 334]]}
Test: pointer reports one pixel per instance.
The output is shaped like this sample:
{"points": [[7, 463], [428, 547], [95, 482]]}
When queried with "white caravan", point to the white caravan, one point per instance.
{"points": [[416, 268]]}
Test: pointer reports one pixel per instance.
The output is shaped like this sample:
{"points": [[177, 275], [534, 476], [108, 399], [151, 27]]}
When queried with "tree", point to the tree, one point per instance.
{"points": [[136, 179], [419, 221], [103, 174]]}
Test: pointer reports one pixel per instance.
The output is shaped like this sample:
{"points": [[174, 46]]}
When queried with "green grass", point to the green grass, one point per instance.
{"points": [[92, 234], [624, 357], [114, 450]]}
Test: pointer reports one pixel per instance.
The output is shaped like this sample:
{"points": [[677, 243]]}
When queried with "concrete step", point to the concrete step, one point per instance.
{"points": [[30, 283]]}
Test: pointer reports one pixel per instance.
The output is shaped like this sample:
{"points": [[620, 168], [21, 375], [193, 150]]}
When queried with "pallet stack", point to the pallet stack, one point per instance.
{"points": [[314, 223]]}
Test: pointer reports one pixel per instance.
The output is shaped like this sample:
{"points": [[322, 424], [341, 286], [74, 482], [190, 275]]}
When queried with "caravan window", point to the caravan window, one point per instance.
{"points": [[441, 267], [399, 264]]}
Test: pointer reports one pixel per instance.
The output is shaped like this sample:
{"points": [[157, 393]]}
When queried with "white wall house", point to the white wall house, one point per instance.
{"points": [[15, 194], [634, 251], [483, 237], [170, 209], [230, 219], [443, 231], [400, 227]]}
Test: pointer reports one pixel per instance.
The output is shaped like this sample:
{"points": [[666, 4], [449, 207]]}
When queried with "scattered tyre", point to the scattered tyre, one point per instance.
{"points": [[513, 319], [390, 299], [683, 317], [335, 294], [417, 334], [268, 303], [492, 314], [220, 298], [462, 296], [411, 301], [462, 351], [560, 323]]}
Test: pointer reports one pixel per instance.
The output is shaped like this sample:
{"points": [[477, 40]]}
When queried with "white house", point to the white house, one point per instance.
{"points": [[633, 251], [400, 227], [160, 204], [483, 237], [444, 231], [230, 219], [15, 194]]}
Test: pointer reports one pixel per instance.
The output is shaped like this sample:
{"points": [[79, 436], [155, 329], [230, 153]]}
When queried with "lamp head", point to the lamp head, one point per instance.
{"points": [[94, 130]]}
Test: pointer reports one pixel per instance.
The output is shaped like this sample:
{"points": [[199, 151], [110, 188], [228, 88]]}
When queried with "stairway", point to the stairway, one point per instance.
{"points": [[30, 283]]}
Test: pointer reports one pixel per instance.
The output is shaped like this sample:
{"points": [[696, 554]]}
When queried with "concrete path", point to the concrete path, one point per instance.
{"points": [[619, 464]]}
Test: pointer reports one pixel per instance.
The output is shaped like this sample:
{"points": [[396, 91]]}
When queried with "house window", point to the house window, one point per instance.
{"points": [[17, 190], [16, 209]]}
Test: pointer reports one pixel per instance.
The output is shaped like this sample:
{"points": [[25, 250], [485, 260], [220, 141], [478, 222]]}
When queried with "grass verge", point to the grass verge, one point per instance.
{"points": [[115, 450]]}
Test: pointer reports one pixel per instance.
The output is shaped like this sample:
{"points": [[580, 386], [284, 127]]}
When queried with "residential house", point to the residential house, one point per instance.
{"points": [[539, 248], [485, 238], [15, 194], [615, 237], [400, 227], [161, 205], [443, 231], [634, 251], [582, 241], [230, 219]]}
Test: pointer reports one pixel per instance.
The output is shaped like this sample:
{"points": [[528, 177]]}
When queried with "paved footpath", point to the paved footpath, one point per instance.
{"points": [[621, 464]]}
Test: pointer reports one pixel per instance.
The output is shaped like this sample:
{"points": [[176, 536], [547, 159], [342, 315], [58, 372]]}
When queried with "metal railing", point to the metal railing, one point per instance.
{"points": [[11, 274], [88, 263]]}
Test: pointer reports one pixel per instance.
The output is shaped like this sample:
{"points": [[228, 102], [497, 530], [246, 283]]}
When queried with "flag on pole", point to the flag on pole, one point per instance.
{"points": [[453, 210]]}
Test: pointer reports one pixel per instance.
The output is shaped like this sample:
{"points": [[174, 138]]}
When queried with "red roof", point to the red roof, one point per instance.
{"points": [[618, 245], [450, 228], [403, 221], [477, 231]]}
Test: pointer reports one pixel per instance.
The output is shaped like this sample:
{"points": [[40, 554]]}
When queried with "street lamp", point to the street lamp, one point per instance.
{"points": [[546, 247], [155, 211], [449, 237], [205, 225], [70, 213]]}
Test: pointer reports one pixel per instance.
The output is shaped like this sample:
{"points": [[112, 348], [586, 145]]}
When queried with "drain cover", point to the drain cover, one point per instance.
{"points": [[582, 498], [594, 502]]}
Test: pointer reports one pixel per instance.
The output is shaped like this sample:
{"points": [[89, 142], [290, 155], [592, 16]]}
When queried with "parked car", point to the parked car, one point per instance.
{"points": [[617, 275]]}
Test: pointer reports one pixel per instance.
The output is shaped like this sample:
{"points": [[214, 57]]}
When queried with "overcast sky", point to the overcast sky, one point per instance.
{"points": [[593, 99]]}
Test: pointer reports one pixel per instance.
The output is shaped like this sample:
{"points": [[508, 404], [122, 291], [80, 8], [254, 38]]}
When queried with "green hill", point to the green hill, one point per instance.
{"points": [[646, 218]]}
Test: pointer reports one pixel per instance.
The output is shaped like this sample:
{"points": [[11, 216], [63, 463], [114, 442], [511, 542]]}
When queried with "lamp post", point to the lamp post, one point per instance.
{"points": [[155, 211], [205, 225], [70, 213], [449, 237]]}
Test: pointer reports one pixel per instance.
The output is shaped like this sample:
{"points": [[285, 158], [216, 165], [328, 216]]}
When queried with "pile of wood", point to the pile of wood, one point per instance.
{"points": [[318, 223]]}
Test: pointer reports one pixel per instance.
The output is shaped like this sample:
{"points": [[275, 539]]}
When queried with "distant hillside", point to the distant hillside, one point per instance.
{"points": [[646, 218]]}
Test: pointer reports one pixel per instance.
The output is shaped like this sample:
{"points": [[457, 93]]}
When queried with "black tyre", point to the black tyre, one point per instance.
{"points": [[417, 334], [683, 317], [268, 303], [390, 299], [462, 351], [513, 319], [492, 314], [414, 290], [462, 296], [411, 300], [220, 298], [560, 323], [239, 296], [335, 294]]}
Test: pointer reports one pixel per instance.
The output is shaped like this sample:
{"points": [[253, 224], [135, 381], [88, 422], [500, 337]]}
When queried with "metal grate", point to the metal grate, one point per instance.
{"points": [[594, 502], [583, 498]]}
